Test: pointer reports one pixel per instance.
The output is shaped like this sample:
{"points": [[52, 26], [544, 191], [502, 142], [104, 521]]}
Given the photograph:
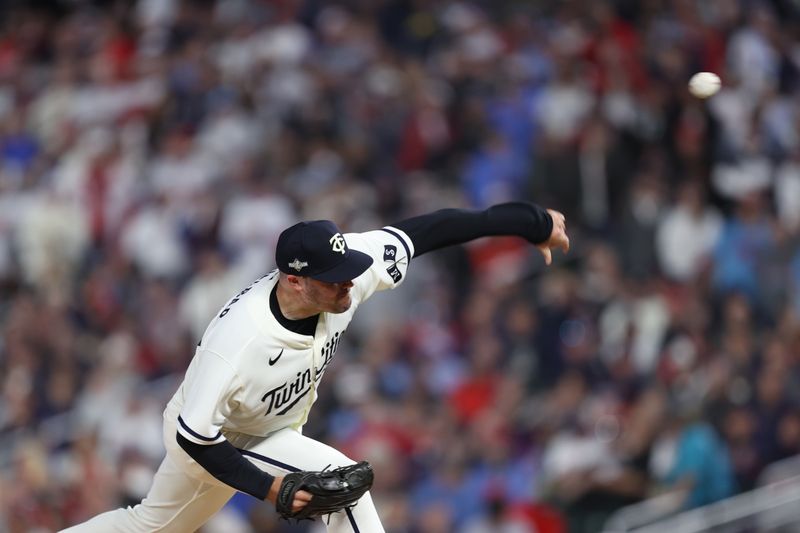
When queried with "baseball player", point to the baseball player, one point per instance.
{"points": [[235, 423]]}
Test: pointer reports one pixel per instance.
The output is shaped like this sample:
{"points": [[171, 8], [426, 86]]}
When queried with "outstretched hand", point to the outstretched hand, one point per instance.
{"points": [[558, 237]]}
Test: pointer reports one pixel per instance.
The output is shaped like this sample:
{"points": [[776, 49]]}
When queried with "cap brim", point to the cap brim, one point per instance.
{"points": [[356, 264]]}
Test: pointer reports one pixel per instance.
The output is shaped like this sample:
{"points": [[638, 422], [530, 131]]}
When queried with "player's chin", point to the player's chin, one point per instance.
{"points": [[343, 304]]}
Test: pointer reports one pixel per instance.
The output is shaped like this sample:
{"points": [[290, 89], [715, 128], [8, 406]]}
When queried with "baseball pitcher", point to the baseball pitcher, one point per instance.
{"points": [[235, 423]]}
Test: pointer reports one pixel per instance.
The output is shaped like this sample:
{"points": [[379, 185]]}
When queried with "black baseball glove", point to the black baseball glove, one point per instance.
{"points": [[332, 490]]}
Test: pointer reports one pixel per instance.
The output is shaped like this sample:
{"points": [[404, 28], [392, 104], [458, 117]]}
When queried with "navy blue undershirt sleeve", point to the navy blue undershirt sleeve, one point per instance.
{"points": [[447, 227], [225, 463]]}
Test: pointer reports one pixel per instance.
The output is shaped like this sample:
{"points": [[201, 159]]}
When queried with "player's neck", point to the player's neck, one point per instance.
{"points": [[292, 307]]}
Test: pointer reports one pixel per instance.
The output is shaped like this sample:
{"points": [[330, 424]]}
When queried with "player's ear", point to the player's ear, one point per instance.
{"points": [[295, 282]]}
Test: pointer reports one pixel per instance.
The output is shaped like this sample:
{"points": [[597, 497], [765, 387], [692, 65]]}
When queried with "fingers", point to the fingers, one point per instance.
{"points": [[301, 499], [548, 255]]}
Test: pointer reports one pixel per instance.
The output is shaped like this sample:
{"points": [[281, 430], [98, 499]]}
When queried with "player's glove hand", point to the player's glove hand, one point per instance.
{"points": [[331, 490]]}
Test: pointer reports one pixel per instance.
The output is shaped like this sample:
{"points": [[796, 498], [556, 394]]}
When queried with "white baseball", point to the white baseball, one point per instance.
{"points": [[704, 84]]}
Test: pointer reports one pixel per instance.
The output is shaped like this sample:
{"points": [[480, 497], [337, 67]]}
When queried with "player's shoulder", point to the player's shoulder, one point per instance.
{"points": [[241, 319], [391, 251]]}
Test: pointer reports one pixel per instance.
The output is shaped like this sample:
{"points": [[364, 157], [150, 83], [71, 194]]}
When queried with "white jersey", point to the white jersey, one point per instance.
{"points": [[251, 375]]}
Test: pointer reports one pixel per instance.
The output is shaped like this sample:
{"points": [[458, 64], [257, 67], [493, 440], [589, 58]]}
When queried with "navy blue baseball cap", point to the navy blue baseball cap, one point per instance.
{"points": [[317, 249]]}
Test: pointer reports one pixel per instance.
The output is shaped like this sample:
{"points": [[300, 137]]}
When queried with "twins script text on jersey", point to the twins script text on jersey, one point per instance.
{"points": [[285, 396]]}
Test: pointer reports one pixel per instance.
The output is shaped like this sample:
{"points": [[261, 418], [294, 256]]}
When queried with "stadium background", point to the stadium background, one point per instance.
{"points": [[151, 151]]}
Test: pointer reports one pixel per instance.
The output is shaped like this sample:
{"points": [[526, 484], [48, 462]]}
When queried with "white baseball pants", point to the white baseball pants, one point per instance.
{"points": [[184, 496]]}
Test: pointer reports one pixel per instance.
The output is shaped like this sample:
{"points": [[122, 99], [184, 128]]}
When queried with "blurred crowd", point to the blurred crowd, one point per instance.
{"points": [[152, 151]]}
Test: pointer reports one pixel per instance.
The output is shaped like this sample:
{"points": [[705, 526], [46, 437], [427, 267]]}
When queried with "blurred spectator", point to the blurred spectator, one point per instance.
{"points": [[690, 457], [687, 235], [745, 237], [592, 493], [206, 293]]}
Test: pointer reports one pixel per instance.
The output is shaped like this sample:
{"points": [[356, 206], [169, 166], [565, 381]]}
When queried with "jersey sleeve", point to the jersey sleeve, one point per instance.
{"points": [[211, 386], [391, 250]]}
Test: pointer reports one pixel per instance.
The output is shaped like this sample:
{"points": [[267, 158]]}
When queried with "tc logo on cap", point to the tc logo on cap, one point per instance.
{"points": [[337, 243]]}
